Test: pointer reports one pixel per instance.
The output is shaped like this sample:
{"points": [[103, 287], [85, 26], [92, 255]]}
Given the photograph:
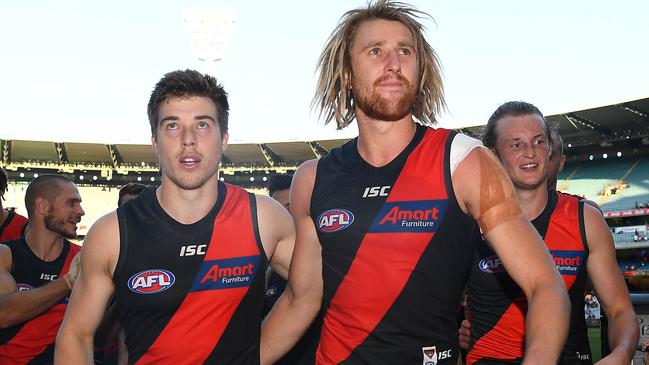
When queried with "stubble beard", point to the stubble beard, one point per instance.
{"points": [[57, 225], [378, 107]]}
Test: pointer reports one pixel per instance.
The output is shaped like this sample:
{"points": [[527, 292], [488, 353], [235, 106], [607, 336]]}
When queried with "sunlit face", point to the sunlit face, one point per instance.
{"points": [[189, 143], [522, 147], [65, 211], [282, 197], [556, 165], [385, 76]]}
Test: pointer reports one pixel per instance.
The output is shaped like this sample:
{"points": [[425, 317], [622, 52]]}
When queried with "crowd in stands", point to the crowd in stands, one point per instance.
{"points": [[614, 188]]}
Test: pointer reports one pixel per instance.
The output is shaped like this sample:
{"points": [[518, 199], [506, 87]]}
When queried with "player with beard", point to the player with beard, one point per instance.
{"points": [[12, 224], [385, 221], [577, 237], [186, 260], [38, 271]]}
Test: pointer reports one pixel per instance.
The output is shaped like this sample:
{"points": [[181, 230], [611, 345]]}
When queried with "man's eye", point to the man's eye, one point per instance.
{"points": [[203, 124], [172, 125], [375, 51], [404, 51]]}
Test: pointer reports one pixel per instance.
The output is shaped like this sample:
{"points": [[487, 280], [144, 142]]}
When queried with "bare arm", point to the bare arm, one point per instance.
{"points": [[300, 302], [487, 194], [278, 234], [610, 288], [20, 306], [91, 293]]}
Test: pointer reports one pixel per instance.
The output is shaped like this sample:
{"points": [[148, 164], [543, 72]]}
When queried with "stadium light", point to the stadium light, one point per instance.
{"points": [[210, 32], [139, 178], [569, 145], [152, 179], [619, 154], [94, 178], [22, 174], [80, 177], [591, 157], [35, 175], [252, 178], [265, 178], [605, 155], [221, 178]]}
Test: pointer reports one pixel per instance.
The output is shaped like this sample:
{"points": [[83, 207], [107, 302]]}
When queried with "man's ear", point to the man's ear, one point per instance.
{"points": [[42, 206], [224, 141], [154, 144], [562, 162]]}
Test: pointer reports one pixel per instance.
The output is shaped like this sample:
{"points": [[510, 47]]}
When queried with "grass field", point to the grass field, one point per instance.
{"points": [[595, 339]]}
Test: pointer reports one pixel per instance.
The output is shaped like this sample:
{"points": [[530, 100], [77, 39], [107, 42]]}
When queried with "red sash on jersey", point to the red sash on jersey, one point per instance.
{"points": [[197, 325], [385, 259], [38, 333], [565, 243]]}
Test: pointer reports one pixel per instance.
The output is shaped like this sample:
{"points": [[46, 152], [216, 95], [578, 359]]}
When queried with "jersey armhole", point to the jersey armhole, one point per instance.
{"points": [[582, 226], [252, 199]]}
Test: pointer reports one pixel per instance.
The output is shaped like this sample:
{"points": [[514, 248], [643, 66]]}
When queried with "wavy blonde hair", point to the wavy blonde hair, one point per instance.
{"points": [[333, 94]]}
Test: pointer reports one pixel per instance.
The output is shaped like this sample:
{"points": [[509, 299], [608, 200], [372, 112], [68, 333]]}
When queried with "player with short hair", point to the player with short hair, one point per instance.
{"points": [[37, 272]]}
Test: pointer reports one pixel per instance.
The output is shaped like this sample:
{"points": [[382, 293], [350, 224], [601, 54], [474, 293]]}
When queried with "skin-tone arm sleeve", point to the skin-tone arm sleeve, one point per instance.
{"points": [[610, 288], [20, 306], [300, 302], [74, 343], [485, 192]]}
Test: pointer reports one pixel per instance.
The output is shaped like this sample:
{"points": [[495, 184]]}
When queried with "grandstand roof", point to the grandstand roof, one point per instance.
{"points": [[600, 126], [597, 127]]}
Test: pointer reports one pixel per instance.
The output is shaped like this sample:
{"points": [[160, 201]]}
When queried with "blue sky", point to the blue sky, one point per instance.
{"points": [[82, 71]]}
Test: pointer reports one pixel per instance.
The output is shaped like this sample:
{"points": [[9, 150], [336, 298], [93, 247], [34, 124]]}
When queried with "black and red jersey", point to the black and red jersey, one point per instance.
{"points": [[396, 251], [498, 306], [191, 293], [32, 342], [13, 227]]}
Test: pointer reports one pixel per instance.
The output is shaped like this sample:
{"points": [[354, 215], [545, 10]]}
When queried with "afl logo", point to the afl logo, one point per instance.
{"points": [[151, 281], [491, 265], [335, 220], [23, 286]]}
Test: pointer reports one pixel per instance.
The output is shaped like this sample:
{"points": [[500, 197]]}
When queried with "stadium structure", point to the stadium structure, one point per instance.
{"points": [[607, 151]]}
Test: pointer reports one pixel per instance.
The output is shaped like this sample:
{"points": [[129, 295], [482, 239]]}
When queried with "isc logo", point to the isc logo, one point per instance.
{"points": [[491, 265], [151, 281], [335, 220], [50, 277], [374, 191], [192, 250]]}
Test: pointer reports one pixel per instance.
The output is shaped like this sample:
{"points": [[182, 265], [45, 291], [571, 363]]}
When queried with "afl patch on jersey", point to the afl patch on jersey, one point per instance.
{"points": [[334, 220], [151, 281], [491, 265], [23, 286]]}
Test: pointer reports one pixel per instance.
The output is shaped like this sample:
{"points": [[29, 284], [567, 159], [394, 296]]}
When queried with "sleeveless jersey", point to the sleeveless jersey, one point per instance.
{"points": [[396, 251], [191, 293], [13, 227], [498, 306], [32, 342]]}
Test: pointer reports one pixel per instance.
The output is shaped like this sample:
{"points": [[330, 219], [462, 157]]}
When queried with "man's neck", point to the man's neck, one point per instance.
{"points": [[379, 142], [533, 201], [187, 206], [45, 244], [4, 214]]}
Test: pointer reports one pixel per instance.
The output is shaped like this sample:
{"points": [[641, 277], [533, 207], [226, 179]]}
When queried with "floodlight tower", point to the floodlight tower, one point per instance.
{"points": [[210, 32]]}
